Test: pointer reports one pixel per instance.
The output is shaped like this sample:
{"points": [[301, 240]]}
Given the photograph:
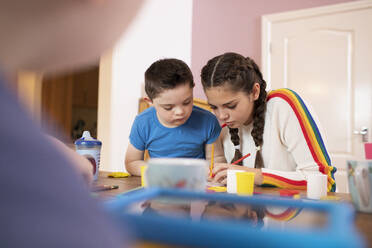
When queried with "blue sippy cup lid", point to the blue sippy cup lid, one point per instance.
{"points": [[87, 140]]}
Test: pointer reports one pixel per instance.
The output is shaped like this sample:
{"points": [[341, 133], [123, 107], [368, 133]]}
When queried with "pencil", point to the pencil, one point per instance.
{"points": [[103, 187], [212, 161], [237, 161], [240, 159]]}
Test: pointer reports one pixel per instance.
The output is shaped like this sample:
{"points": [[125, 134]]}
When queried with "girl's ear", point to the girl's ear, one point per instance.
{"points": [[256, 91], [148, 100]]}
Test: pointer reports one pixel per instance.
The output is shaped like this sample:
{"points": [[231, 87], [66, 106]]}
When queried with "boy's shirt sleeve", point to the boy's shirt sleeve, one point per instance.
{"points": [[214, 128], [136, 136]]}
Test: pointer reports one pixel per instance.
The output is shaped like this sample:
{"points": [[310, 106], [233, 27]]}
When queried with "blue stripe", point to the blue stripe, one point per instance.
{"points": [[315, 128]]}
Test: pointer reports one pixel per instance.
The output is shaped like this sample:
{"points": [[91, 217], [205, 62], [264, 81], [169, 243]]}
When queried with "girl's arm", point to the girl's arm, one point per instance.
{"points": [[134, 160], [218, 154], [301, 135]]}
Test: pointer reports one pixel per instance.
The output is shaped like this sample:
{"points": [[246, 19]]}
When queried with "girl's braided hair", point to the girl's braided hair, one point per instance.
{"points": [[239, 74]]}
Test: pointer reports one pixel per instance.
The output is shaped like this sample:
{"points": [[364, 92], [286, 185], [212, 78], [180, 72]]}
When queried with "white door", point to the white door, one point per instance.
{"points": [[325, 55]]}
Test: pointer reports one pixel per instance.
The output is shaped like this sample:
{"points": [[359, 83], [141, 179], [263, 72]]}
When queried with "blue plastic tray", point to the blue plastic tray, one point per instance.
{"points": [[338, 232]]}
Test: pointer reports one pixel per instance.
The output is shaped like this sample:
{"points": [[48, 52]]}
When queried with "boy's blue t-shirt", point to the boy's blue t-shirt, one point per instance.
{"points": [[186, 141]]}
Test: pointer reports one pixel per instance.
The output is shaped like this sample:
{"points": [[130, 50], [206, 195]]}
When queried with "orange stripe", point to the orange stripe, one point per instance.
{"points": [[309, 130], [287, 215], [284, 179], [281, 184]]}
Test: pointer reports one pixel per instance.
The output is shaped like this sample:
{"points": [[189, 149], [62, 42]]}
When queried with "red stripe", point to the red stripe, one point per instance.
{"points": [[309, 144], [286, 98], [286, 180], [286, 213]]}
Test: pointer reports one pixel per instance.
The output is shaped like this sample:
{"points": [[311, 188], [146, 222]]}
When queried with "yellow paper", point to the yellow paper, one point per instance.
{"points": [[143, 170], [217, 188], [118, 174], [245, 183]]}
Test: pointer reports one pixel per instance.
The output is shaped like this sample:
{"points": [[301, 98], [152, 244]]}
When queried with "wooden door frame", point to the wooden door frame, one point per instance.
{"points": [[268, 20], [56, 106]]}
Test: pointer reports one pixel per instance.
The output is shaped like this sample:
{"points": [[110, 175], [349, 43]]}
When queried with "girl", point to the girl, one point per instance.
{"points": [[276, 128]]}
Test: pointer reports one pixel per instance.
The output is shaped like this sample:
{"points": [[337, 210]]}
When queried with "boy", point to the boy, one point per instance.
{"points": [[172, 127]]}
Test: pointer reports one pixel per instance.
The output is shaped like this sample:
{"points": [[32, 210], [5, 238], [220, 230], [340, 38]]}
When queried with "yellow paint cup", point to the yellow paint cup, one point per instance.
{"points": [[143, 170], [244, 183]]}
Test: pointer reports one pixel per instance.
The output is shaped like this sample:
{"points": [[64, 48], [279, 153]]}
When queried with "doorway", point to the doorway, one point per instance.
{"points": [[324, 54], [69, 104]]}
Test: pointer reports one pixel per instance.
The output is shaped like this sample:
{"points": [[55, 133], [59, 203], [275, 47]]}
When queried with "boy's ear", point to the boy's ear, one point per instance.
{"points": [[148, 100]]}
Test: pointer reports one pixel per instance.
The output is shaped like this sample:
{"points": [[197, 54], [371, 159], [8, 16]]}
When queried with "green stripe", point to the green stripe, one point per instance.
{"points": [[314, 128]]}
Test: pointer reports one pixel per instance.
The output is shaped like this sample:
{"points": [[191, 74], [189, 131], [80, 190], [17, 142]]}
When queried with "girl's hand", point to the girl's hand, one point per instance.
{"points": [[219, 173]]}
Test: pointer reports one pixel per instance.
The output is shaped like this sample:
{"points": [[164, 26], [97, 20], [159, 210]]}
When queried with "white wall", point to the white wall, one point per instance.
{"points": [[162, 29]]}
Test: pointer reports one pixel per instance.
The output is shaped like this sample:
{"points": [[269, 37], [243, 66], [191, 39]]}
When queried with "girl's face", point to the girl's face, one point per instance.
{"points": [[230, 107], [174, 106]]}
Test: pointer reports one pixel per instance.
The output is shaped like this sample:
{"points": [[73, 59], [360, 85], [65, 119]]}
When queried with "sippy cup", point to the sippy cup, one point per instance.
{"points": [[90, 148]]}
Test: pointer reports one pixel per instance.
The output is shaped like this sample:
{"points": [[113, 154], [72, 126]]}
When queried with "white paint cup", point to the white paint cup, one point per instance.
{"points": [[316, 186], [231, 181]]}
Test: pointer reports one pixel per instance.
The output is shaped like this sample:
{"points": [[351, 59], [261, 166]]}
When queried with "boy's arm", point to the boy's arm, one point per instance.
{"points": [[134, 160]]}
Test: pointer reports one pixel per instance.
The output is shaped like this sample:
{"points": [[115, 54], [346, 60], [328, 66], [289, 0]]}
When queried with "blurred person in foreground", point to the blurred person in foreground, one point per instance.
{"points": [[44, 201]]}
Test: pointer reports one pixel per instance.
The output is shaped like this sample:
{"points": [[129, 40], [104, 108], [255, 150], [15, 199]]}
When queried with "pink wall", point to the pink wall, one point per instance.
{"points": [[234, 25]]}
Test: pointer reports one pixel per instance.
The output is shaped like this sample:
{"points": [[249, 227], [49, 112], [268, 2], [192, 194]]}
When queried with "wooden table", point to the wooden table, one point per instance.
{"points": [[363, 221], [125, 184]]}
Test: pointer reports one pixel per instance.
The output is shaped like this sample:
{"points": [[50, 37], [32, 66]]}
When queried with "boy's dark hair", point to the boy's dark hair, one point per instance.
{"points": [[166, 74]]}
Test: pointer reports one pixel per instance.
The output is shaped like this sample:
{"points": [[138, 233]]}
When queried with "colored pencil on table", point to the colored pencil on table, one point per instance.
{"points": [[240, 159], [212, 161], [100, 187]]}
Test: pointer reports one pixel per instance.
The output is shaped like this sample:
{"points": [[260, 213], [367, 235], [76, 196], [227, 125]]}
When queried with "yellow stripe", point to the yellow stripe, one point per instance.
{"points": [[281, 184], [292, 215]]}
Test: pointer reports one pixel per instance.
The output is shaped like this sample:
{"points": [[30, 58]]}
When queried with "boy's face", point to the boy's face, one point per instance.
{"points": [[174, 106]]}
